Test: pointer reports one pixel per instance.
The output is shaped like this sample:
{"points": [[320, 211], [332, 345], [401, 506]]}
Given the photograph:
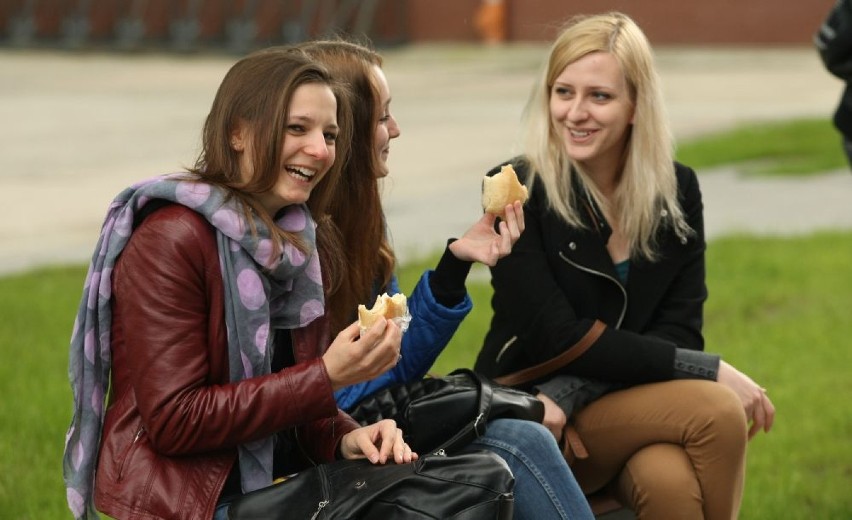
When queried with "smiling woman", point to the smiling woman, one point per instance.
{"points": [[201, 351], [615, 238], [308, 150], [592, 107]]}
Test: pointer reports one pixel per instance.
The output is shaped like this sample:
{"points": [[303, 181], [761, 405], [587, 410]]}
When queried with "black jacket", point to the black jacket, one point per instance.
{"points": [[559, 280], [834, 42]]}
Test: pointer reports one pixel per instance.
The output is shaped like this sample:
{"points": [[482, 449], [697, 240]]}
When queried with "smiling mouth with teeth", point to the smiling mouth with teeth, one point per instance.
{"points": [[579, 133], [300, 173]]}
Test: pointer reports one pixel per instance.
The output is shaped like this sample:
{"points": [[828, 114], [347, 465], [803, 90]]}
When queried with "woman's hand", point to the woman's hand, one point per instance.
{"points": [[377, 442], [352, 359], [758, 408], [481, 243], [554, 417]]}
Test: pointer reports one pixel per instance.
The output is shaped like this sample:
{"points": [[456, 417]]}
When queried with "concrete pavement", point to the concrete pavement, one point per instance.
{"points": [[80, 127]]}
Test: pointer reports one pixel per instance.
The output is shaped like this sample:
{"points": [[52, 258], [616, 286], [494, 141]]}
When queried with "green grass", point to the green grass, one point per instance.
{"points": [[37, 312], [778, 309], [798, 147]]}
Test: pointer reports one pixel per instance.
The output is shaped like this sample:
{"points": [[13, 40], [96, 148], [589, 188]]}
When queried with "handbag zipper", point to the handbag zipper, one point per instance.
{"points": [[321, 504], [320, 507], [325, 492]]}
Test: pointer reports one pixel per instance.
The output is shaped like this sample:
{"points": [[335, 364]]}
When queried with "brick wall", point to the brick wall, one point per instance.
{"points": [[714, 22], [718, 22]]}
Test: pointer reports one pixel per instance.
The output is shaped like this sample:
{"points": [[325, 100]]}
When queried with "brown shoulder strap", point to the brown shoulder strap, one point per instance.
{"points": [[551, 365]]}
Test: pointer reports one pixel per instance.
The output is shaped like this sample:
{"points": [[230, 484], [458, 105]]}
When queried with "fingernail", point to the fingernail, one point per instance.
{"points": [[374, 458]]}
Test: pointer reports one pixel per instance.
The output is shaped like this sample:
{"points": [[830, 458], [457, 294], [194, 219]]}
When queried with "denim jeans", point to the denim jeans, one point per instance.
{"points": [[221, 512], [545, 488]]}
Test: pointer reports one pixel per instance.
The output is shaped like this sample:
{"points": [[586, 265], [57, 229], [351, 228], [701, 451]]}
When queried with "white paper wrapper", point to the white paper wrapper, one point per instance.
{"points": [[401, 322]]}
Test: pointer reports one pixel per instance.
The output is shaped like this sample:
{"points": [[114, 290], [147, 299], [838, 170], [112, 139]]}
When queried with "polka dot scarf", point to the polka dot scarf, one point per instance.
{"points": [[285, 293]]}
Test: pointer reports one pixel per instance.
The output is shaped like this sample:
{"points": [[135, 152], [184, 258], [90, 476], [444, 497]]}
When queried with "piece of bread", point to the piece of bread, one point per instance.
{"points": [[390, 307], [502, 189]]}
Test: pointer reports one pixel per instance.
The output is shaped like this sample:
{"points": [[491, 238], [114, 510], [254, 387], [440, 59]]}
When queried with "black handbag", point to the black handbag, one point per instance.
{"points": [[474, 485], [447, 413]]}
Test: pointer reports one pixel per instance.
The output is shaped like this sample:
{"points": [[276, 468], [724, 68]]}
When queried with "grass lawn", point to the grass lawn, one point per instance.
{"points": [[778, 310], [796, 147]]}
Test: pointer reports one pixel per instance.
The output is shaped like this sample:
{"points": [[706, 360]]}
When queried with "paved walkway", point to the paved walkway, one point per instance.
{"points": [[80, 127]]}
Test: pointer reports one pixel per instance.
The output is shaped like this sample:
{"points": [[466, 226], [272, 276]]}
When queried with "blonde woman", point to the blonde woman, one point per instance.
{"points": [[611, 267]]}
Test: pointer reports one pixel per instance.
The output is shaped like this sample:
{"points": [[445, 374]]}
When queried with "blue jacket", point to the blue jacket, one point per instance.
{"points": [[431, 327]]}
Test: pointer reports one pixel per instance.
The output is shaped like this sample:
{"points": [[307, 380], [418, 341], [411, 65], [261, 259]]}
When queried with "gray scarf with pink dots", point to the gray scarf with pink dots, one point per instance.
{"points": [[262, 293]]}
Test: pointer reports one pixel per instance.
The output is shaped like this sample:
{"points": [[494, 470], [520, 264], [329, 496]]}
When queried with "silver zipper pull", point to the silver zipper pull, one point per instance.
{"points": [[321, 506]]}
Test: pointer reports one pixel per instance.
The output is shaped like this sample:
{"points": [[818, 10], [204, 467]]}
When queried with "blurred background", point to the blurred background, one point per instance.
{"points": [[95, 94], [239, 25], [98, 94]]}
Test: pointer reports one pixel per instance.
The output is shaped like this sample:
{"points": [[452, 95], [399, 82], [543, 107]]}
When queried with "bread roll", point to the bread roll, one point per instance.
{"points": [[390, 307], [502, 189]]}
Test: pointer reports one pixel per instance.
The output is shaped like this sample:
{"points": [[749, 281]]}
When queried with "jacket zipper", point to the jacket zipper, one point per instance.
{"points": [[129, 451], [506, 346], [604, 275]]}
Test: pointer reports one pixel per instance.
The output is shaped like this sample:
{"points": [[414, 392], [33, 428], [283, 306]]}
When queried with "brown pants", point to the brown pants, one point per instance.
{"points": [[670, 450]]}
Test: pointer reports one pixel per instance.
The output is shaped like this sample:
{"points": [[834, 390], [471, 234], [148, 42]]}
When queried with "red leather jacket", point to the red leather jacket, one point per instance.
{"points": [[174, 421]]}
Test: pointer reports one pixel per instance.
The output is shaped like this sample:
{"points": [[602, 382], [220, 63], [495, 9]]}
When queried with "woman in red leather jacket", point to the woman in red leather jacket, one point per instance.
{"points": [[202, 316]]}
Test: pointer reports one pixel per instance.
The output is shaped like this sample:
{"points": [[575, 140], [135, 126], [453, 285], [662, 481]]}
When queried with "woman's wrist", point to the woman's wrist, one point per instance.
{"points": [[447, 281]]}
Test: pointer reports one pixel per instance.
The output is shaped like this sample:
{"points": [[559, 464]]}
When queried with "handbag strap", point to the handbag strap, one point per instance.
{"points": [[475, 428], [553, 364]]}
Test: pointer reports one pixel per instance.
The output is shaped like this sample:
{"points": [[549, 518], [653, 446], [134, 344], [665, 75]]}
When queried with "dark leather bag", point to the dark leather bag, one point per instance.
{"points": [[447, 413], [469, 486]]}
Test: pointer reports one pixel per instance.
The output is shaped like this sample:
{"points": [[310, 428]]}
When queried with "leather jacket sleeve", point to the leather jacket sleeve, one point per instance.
{"points": [[168, 302]]}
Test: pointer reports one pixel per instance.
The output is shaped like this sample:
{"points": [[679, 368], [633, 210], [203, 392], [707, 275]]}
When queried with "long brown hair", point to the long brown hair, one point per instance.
{"points": [[258, 90], [356, 207]]}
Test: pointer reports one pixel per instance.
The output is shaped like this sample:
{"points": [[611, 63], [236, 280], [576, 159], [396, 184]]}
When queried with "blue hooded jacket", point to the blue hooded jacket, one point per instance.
{"points": [[431, 327]]}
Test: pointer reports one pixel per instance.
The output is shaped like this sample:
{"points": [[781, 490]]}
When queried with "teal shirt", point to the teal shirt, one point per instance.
{"points": [[621, 269]]}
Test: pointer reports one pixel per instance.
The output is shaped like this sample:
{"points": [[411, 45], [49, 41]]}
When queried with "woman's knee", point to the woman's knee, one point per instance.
{"points": [[725, 415], [659, 480]]}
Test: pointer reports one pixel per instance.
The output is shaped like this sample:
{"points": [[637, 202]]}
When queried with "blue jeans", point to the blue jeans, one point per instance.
{"points": [[221, 512], [545, 488]]}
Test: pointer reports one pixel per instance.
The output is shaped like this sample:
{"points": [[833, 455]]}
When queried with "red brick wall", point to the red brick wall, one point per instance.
{"points": [[729, 22], [713, 22]]}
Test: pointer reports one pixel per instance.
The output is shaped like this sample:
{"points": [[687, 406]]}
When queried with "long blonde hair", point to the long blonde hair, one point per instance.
{"points": [[648, 185]]}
